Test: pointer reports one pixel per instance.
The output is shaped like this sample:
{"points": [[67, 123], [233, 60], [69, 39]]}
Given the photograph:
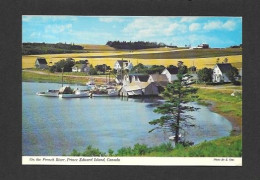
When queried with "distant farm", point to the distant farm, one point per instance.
{"points": [[103, 54]]}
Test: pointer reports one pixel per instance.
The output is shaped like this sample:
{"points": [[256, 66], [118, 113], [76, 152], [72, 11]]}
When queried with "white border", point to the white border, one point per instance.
{"points": [[139, 161]]}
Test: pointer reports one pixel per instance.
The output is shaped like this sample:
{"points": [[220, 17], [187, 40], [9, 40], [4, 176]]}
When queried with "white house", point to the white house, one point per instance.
{"points": [[219, 72], [80, 68], [122, 65], [41, 63], [171, 74]]}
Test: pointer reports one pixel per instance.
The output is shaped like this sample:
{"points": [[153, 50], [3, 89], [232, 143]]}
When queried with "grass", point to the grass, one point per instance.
{"points": [[29, 77], [225, 104], [223, 147]]}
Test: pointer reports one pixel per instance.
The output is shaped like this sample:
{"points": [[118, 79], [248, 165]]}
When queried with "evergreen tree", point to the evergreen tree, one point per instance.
{"points": [[174, 110]]}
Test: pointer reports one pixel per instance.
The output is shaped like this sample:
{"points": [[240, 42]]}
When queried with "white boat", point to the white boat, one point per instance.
{"points": [[49, 93], [75, 94], [173, 137], [109, 93]]}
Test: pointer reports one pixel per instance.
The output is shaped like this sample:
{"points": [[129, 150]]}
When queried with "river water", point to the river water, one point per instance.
{"points": [[54, 126]]}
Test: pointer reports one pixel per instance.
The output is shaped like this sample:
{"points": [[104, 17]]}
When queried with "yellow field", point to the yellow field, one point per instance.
{"points": [[29, 60]]}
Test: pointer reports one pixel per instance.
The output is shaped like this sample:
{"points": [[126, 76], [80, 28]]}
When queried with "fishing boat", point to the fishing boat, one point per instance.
{"points": [[67, 92], [49, 93], [104, 93]]}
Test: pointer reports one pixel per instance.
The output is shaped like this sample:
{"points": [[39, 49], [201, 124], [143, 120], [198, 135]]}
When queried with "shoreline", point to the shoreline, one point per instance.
{"points": [[235, 121]]}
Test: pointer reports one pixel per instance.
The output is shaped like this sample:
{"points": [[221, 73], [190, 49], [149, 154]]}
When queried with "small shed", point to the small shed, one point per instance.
{"points": [[41, 63]]}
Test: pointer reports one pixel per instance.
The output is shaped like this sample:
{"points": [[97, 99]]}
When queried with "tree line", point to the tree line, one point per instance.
{"points": [[45, 48], [135, 45]]}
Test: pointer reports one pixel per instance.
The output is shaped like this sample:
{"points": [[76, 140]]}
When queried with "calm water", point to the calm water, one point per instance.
{"points": [[56, 126]]}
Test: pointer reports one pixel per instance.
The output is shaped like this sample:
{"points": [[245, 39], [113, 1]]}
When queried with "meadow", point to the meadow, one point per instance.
{"points": [[102, 54]]}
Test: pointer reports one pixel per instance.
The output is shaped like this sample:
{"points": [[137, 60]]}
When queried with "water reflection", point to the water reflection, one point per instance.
{"points": [[54, 126]]}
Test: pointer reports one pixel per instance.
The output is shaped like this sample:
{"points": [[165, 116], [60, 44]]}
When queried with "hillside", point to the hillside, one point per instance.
{"points": [[44, 48], [175, 54]]}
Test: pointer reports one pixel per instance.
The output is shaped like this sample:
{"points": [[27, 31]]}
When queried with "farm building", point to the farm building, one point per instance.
{"points": [[219, 72], [171, 74], [41, 63], [203, 45], [80, 68], [139, 88], [123, 65]]}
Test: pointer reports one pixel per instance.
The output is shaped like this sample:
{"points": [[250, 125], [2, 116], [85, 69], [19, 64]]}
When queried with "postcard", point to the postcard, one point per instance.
{"points": [[132, 90]]}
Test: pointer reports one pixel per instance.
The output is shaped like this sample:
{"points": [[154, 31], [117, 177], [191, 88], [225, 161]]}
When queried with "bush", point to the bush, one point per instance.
{"points": [[237, 83], [90, 151]]}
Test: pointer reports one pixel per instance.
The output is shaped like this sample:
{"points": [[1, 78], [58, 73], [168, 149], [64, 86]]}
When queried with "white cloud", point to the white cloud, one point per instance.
{"points": [[194, 27], [216, 25], [58, 28], [188, 19], [111, 19], [175, 27], [153, 26], [229, 25]]}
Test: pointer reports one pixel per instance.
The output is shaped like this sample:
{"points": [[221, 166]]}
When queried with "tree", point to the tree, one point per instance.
{"points": [[172, 68], [217, 61], [205, 75], [174, 111], [65, 64], [225, 60], [92, 71], [139, 68], [232, 73], [155, 69]]}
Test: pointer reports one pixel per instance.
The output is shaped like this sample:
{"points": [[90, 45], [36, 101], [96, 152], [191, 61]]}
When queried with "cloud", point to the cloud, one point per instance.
{"points": [[58, 28], [111, 19], [153, 26], [218, 25], [175, 27], [229, 25], [194, 27], [188, 19]]}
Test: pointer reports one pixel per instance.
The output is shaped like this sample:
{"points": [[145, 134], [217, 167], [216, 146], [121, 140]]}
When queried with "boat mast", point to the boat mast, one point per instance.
{"points": [[62, 77]]}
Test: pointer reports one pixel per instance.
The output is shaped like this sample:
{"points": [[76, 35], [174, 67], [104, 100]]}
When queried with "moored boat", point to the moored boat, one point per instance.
{"points": [[67, 92], [49, 93], [106, 93]]}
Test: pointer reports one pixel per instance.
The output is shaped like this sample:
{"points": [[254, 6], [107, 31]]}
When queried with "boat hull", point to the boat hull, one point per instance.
{"points": [[47, 94], [74, 95]]}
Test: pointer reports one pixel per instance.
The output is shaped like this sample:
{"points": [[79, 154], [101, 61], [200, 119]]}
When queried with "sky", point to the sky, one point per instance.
{"points": [[171, 30]]}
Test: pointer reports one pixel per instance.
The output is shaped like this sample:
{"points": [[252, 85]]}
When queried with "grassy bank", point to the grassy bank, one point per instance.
{"points": [[34, 77], [223, 147], [225, 104]]}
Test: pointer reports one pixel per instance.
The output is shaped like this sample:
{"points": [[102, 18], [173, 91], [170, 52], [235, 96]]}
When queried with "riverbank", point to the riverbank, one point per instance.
{"points": [[43, 76], [224, 104]]}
